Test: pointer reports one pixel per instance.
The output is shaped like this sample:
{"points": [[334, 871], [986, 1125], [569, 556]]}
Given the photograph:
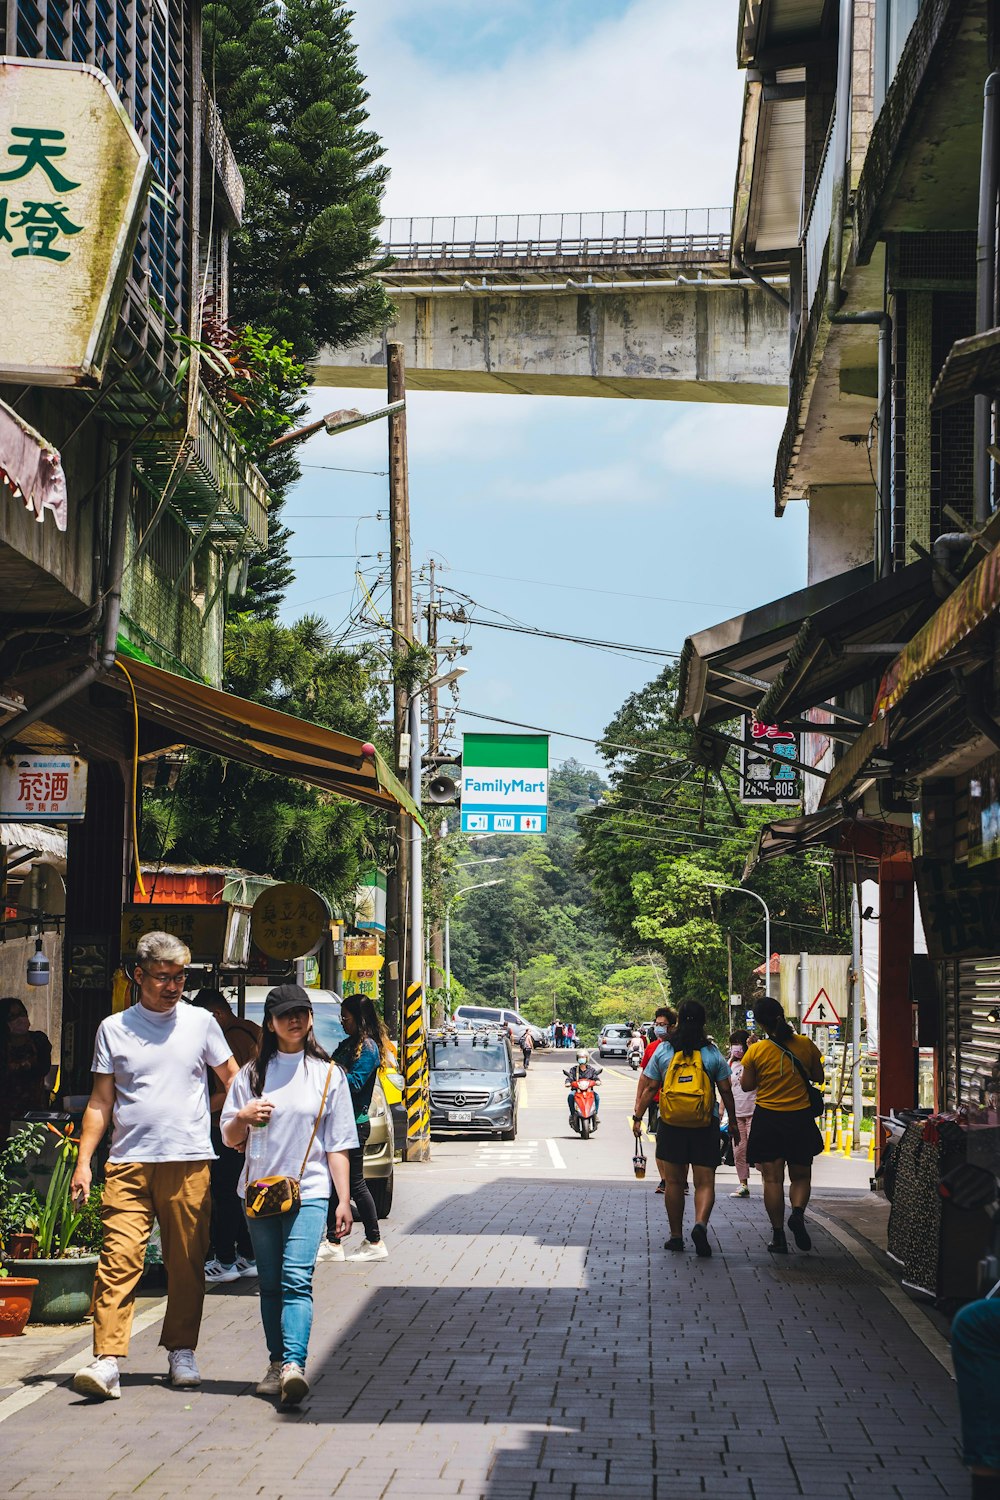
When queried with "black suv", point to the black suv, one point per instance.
{"points": [[473, 1082]]}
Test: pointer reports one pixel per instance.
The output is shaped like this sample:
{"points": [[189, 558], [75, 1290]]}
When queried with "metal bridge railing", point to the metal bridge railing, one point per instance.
{"points": [[628, 233]]}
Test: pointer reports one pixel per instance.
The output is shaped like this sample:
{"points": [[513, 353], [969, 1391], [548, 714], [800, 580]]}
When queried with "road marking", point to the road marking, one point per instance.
{"points": [[29, 1394], [907, 1309], [555, 1154]]}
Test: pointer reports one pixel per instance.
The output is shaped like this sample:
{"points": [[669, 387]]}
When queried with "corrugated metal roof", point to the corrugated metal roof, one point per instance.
{"points": [[776, 193], [24, 836]]}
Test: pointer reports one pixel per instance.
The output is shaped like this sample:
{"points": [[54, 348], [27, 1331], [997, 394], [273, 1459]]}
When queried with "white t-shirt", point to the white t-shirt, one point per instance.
{"points": [[294, 1085], [158, 1061]]}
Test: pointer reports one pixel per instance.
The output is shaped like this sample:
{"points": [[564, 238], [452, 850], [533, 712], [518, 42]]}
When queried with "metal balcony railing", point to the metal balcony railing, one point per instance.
{"points": [[621, 235], [221, 153], [816, 223], [209, 480]]}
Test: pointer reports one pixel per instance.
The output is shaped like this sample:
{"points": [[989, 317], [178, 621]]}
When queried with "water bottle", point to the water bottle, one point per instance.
{"points": [[257, 1147]]}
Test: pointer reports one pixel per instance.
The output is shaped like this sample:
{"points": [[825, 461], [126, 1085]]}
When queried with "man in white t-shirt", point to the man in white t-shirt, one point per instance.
{"points": [[149, 1068]]}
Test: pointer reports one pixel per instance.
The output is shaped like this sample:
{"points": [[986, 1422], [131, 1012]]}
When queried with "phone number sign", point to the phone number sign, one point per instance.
{"points": [[762, 777]]}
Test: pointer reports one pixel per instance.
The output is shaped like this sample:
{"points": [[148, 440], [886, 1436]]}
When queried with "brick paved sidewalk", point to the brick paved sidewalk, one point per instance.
{"points": [[533, 1339]]}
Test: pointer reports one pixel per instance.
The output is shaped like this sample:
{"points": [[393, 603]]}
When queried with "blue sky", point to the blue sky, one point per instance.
{"points": [[636, 521]]}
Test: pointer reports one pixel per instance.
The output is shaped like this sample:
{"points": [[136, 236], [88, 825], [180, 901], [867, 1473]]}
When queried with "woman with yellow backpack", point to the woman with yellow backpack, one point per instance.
{"points": [[688, 1069]]}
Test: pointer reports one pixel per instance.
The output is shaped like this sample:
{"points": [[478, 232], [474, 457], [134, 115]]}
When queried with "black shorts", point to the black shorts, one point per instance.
{"points": [[790, 1135], [698, 1147]]}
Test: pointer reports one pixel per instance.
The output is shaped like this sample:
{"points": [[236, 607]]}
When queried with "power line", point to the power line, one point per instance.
{"points": [[338, 469], [587, 739], [575, 640], [580, 588]]}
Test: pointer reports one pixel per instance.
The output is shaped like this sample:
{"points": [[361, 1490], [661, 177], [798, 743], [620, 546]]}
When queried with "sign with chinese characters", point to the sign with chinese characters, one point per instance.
{"points": [[73, 181], [202, 928], [369, 901], [361, 973], [289, 921], [43, 789], [763, 779], [505, 783]]}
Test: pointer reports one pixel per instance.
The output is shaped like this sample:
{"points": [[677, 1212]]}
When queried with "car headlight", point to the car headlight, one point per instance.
{"points": [[500, 1096]]}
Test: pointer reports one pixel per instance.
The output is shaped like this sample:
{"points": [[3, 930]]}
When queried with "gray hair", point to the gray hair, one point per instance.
{"points": [[161, 947]]}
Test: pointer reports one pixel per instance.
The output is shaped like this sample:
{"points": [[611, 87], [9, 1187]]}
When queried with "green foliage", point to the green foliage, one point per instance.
{"points": [[219, 812], [267, 402], [19, 1204], [293, 100], [665, 834]]}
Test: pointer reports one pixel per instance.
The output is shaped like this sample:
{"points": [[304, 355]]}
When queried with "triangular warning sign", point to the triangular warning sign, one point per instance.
{"points": [[822, 1012]]}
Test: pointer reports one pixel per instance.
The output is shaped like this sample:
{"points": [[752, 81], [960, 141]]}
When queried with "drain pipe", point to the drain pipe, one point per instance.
{"points": [[759, 280], [841, 148], [883, 531], [103, 656], [986, 249]]}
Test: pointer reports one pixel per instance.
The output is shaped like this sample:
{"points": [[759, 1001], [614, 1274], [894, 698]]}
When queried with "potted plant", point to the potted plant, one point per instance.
{"points": [[68, 1235], [16, 1293]]}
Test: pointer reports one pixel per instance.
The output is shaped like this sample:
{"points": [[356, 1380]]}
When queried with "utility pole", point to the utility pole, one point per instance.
{"points": [[401, 584], [436, 967]]}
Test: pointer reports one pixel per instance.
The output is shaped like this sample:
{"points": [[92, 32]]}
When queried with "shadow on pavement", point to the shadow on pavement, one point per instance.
{"points": [[581, 1356]]}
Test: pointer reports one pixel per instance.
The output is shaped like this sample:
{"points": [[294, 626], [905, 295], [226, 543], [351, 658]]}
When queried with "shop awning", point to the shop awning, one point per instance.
{"points": [[726, 669], [848, 642], [972, 603], [192, 714], [31, 468], [971, 369], [827, 829]]}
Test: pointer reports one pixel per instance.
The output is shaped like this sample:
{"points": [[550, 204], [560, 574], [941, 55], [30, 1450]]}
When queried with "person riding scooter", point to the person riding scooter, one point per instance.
{"points": [[583, 1068]]}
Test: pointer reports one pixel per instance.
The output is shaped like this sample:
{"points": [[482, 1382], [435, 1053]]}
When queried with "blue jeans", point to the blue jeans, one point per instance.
{"points": [[285, 1249], [975, 1350]]}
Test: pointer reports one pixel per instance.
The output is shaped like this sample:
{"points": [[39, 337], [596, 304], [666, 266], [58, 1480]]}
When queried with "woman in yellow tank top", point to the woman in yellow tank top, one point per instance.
{"points": [[784, 1131]]}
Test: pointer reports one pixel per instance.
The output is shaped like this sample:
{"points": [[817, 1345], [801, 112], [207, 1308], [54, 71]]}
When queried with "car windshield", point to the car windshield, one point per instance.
{"points": [[618, 1031], [463, 1057], [326, 1023]]}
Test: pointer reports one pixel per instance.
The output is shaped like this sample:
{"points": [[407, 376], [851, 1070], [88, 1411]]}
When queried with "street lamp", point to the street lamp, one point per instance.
{"points": [[741, 890], [478, 886]]}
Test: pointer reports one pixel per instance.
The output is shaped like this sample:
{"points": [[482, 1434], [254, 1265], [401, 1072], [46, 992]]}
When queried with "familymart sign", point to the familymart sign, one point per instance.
{"points": [[505, 783]]}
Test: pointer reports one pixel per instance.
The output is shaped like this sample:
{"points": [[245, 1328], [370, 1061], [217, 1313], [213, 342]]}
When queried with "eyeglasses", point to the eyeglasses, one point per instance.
{"points": [[165, 978]]}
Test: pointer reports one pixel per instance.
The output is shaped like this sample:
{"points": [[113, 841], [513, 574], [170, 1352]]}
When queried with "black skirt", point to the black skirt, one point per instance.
{"points": [[790, 1135]]}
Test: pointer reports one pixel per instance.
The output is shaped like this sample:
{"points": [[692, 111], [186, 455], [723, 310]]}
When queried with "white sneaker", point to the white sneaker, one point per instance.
{"points": [[271, 1384], [368, 1251], [100, 1379], [216, 1272], [329, 1251], [183, 1370], [245, 1266], [294, 1384]]}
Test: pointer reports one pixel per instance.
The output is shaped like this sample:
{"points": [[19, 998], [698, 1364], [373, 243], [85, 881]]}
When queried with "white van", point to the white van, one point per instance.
{"points": [[488, 1015]]}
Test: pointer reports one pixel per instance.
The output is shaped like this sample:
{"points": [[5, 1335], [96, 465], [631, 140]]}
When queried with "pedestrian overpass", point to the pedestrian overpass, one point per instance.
{"points": [[635, 304]]}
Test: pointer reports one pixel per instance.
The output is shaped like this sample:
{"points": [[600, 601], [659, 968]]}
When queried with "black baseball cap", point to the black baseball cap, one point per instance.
{"points": [[286, 997]]}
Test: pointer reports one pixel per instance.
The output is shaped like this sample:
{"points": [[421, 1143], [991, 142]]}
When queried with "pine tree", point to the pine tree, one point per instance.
{"points": [[293, 99]]}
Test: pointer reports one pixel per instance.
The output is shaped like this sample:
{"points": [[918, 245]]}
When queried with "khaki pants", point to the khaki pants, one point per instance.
{"points": [[176, 1194]]}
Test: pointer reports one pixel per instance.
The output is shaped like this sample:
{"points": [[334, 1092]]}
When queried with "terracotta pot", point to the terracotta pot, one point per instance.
{"points": [[16, 1294], [65, 1288], [22, 1246]]}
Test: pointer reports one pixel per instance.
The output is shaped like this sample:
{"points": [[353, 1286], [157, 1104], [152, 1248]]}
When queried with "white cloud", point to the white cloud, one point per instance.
{"points": [[610, 486], [733, 445], [639, 111]]}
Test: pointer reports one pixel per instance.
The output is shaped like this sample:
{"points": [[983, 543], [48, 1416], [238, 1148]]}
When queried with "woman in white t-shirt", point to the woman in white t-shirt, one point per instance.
{"points": [[282, 1088]]}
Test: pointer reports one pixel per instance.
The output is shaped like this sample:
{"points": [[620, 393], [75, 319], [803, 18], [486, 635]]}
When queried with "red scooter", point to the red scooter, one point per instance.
{"points": [[583, 1113]]}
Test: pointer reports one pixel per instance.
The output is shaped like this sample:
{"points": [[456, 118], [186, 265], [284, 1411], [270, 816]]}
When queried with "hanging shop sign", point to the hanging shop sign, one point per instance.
{"points": [[762, 778], [202, 928], [289, 921], [369, 901], [984, 811], [73, 182], [505, 783], [361, 971], [43, 788]]}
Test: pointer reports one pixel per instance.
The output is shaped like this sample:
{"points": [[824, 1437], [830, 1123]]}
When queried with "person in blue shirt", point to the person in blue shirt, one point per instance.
{"points": [[688, 1130], [360, 1054]]}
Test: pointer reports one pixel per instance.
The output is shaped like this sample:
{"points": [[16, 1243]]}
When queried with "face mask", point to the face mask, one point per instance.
{"points": [[660, 1031]]}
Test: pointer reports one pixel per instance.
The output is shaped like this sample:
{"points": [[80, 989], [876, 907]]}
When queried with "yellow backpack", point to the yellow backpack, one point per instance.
{"points": [[686, 1093]]}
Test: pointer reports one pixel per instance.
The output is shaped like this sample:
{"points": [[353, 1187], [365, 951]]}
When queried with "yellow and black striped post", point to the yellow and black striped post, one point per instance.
{"points": [[418, 1078]]}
